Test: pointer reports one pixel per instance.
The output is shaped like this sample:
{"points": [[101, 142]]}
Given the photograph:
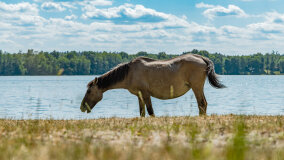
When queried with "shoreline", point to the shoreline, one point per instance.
{"points": [[138, 117]]}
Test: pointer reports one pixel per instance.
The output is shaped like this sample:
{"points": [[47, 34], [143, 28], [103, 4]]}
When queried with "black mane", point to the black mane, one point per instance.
{"points": [[113, 76]]}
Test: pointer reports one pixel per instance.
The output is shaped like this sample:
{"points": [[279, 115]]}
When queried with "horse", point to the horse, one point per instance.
{"points": [[163, 79]]}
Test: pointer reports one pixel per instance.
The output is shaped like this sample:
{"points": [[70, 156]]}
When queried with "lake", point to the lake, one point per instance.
{"points": [[59, 97]]}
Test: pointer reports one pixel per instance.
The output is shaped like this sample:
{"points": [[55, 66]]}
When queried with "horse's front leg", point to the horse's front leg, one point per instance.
{"points": [[149, 106], [141, 107], [144, 98]]}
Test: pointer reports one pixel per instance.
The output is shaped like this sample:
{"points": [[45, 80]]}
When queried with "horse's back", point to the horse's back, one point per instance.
{"points": [[142, 59], [187, 61]]}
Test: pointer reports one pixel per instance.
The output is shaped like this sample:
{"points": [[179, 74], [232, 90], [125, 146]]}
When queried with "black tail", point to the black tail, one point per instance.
{"points": [[212, 76]]}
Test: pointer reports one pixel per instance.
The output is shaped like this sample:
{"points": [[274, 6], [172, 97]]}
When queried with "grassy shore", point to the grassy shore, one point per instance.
{"points": [[210, 137]]}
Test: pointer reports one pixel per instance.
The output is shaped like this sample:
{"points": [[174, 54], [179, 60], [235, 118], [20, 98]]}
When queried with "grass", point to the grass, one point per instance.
{"points": [[210, 137]]}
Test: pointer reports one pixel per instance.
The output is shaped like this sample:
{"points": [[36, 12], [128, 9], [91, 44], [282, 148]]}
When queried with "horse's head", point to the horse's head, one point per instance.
{"points": [[92, 96]]}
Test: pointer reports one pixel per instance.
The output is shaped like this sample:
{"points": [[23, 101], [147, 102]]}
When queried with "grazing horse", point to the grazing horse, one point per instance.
{"points": [[162, 79]]}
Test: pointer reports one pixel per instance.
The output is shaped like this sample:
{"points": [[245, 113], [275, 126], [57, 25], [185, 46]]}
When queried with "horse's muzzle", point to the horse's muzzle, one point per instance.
{"points": [[85, 107]]}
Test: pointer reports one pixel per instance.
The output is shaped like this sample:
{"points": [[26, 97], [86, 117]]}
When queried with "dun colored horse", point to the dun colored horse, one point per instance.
{"points": [[162, 79]]}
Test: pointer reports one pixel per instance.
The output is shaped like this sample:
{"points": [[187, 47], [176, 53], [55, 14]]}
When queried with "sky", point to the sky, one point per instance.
{"points": [[230, 27]]}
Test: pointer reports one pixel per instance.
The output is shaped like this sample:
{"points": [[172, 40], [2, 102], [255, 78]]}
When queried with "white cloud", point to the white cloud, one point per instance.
{"points": [[24, 14], [71, 17], [267, 34], [91, 4], [51, 7], [69, 5], [23, 7], [274, 24], [99, 2], [203, 5], [220, 11], [126, 13], [275, 17]]}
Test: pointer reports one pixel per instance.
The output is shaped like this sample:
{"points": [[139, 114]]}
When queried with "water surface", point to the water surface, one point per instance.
{"points": [[59, 97]]}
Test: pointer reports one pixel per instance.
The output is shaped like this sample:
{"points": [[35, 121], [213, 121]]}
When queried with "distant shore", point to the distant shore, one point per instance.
{"points": [[94, 62], [207, 137]]}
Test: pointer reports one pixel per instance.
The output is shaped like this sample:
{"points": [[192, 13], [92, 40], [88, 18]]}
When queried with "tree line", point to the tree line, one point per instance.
{"points": [[95, 63]]}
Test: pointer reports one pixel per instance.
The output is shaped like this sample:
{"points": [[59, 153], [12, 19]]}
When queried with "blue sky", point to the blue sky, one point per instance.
{"points": [[231, 27]]}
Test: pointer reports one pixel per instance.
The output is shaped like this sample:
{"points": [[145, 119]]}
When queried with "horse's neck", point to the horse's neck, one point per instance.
{"points": [[119, 85]]}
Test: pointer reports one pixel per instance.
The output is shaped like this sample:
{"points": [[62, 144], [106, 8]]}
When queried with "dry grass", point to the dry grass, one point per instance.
{"points": [[210, 137]]}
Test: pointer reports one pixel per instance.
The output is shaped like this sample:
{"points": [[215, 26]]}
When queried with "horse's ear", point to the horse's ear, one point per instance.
{"points": [[95, 81]]}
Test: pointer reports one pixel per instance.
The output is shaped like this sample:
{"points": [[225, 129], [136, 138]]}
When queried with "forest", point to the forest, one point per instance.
{"points": [[96, 63]]}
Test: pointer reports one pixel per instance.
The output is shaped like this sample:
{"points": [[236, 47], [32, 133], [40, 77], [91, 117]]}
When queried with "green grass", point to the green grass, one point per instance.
{"points": [[209, 137]]}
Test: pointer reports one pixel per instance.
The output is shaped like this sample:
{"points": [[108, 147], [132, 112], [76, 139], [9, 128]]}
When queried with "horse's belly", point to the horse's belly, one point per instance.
{"points": [[169, 92]]}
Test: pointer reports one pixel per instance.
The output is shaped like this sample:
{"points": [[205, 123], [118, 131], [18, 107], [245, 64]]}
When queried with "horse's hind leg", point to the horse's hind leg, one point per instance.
{"points": [[201, 100]]}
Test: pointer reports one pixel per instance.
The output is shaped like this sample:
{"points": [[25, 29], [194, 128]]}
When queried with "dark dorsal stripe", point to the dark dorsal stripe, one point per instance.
{"points": [[113, 76]]}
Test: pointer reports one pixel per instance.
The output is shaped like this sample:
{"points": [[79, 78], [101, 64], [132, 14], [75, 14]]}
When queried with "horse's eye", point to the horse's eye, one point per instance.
{"points": [[88, 91]]}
